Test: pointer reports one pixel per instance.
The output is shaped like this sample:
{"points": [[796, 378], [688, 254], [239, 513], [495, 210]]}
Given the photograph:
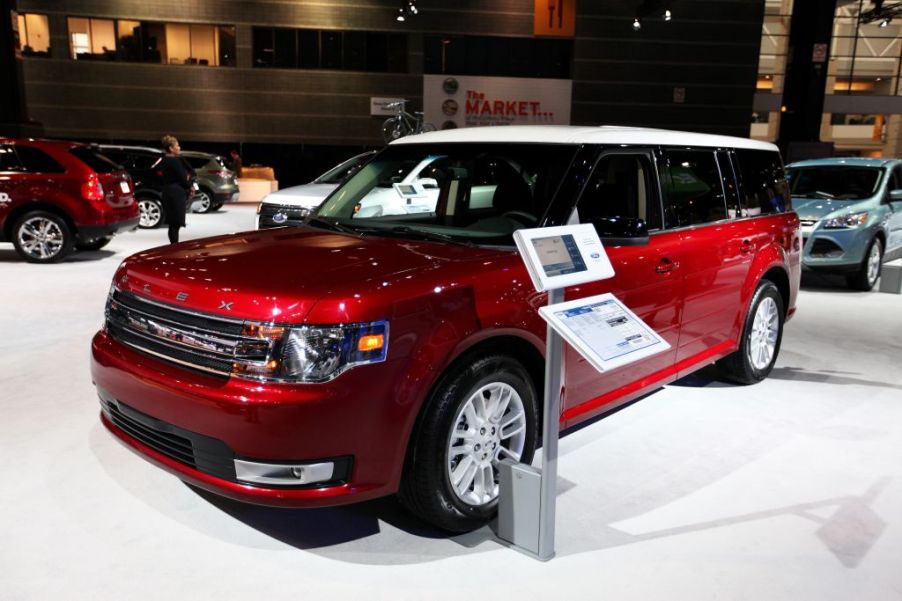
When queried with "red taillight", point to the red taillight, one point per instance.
{"points": [[92, 189]]}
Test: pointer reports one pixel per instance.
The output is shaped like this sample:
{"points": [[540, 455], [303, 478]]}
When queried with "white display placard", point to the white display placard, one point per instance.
{"points": [[604, 331], [566, 255]]}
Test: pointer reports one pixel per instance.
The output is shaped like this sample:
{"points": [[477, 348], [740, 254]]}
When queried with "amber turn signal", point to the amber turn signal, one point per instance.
{"points": [[371, 342]]}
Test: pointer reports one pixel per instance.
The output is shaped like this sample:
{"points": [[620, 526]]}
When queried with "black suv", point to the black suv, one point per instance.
{"points": [[143, 164]]}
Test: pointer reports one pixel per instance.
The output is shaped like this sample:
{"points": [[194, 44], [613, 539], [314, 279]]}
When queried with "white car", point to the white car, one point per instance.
{"points": [[291, 205]]}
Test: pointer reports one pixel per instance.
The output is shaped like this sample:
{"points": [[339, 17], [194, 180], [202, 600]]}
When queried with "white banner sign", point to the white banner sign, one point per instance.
{"points": [[469, 101], [379, 106]]}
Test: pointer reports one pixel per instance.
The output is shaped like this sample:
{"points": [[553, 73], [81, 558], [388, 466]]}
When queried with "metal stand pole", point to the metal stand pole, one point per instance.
{"points": [[554, 361]]}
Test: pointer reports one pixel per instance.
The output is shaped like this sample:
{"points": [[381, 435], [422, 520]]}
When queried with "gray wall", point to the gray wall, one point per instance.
{"points": [[620, 76]]}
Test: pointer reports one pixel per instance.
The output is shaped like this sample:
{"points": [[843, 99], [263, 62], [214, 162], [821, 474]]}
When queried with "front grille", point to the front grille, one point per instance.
{"points": [[292, 215], [195, 341], [822, 247]]}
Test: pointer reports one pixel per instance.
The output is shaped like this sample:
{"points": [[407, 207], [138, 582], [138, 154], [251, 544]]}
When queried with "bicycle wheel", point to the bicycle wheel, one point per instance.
{"points": [[426, 126], [394, 128]]}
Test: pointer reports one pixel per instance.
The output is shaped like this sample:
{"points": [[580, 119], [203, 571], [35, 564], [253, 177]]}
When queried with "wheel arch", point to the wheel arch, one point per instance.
{"points": [[31, 207]]}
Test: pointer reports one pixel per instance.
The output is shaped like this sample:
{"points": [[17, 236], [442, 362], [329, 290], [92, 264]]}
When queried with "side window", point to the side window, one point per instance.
{"points": [[197, 162], [764, 187], [117, 156], [692, 188], [35, 160], [144, 161], [896, 182], [621, 186], [8, 159]]}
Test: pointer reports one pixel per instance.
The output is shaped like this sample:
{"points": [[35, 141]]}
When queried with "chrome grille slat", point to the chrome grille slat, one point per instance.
{"points": [[188, 339]]}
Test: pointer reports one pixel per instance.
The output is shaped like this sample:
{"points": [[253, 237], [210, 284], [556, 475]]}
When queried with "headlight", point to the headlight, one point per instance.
{"points": [[308, 353], [846, 221]]}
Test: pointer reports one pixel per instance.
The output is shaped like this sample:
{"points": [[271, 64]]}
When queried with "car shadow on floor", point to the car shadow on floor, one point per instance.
{"points": [[826, 376], [813, 281], [8, 255]]}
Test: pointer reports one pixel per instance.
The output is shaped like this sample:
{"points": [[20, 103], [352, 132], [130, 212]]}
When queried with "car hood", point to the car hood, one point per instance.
{"points": [[308, 196], [279, 274], [816, 209]]}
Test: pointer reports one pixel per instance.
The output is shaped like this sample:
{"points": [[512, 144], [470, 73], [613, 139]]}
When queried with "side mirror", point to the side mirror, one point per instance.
{"points": [[895, 196], [621, 231], [428, 183]]}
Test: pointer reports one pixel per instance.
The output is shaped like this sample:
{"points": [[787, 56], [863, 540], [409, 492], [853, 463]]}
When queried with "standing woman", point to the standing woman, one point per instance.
{"points": [[176, 186]]}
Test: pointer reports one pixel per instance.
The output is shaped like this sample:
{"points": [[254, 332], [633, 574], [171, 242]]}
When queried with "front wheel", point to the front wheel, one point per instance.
{"points": [[151, 213], [478, 415], [865, 278], [42, 237], [394, 128], [761, 336]]}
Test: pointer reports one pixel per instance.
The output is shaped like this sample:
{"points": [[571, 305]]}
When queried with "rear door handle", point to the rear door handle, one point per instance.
{"points": [[665, 265], [746, 247]]}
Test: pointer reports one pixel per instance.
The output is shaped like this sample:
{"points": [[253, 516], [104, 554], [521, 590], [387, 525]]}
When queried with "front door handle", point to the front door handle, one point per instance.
{"points": [[665, 265]]}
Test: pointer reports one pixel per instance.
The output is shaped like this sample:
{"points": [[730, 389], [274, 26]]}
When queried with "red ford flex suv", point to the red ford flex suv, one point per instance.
{"points": [[56, 196], [392, 343]]}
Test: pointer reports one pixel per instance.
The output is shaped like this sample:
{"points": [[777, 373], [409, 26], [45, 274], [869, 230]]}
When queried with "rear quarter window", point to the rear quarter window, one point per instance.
{"points": [[764, 187], [94, 159], [693, 188], [35, 160]]}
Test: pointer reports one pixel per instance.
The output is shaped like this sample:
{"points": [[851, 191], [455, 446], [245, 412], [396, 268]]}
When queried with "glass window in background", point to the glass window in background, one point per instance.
{"points": [[92, 39], [865, 53], [34, 34]]}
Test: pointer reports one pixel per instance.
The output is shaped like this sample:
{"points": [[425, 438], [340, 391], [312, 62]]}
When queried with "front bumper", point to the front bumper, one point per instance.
{"points": [[835, 250], [350, 419]]}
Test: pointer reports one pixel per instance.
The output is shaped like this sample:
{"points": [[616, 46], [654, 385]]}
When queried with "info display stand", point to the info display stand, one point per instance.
{"points": [[602, 329]]}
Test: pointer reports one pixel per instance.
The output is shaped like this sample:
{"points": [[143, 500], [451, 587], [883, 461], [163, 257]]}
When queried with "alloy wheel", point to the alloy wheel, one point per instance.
{"points": [[203, 202], [490, 425], [150, 213], [41, 238], [763, 335], [874, 262]]}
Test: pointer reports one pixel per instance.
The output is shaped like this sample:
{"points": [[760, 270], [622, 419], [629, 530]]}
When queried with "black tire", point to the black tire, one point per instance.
{"points": [[152, 213], [739, 366], [394, 128], [864, 279], [426, 488], [93, 244], [42, 237]]}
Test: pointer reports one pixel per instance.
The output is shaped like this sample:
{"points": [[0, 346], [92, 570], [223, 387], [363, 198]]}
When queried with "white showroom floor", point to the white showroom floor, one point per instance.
{"points": [[790, 489]]}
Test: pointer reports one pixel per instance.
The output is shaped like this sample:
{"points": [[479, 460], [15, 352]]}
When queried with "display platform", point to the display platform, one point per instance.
{"points": [[786, 490]]}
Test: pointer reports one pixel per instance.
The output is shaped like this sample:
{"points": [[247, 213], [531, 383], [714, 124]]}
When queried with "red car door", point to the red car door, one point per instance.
{"points": [[648, 279]]}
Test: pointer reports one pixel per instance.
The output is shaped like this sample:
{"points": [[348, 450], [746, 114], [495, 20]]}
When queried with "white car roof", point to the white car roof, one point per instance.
{"points": [[572, 134]]}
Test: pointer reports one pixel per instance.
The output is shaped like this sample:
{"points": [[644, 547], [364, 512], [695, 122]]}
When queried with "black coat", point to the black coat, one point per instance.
{"points": [[176, 186]]}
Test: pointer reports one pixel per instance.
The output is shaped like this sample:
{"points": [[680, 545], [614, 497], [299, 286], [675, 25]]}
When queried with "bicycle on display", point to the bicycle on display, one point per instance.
{"points": [[403, 123]]}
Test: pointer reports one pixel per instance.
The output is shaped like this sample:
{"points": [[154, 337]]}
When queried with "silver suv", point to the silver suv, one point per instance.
{"points": [[218, 184]]}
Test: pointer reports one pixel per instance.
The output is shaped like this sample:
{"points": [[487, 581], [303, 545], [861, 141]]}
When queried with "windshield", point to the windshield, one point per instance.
{"points": [[834, 182], [344, 170], [469, 193]]}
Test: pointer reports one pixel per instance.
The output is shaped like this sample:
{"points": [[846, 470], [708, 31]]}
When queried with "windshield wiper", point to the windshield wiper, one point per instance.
{"points": [[427, 235], [334, 225]]}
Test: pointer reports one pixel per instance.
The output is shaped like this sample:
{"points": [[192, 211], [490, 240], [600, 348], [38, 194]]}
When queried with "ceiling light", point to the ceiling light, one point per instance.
{"points": [[412, 8], [400, 18], [667, 15], [637, 24]]}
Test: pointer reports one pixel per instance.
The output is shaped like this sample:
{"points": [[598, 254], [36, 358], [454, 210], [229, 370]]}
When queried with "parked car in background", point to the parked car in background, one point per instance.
{"points": [[851, 215], [217, 184], [143, 164], [291, 206], [355, 357], [60, 196]]}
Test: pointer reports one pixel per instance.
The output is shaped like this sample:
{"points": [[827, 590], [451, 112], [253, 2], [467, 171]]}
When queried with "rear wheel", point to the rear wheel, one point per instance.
{"points": [[42, 237], [96, 244], [865, 278], [394, 128], [151, 212], [761, 337], [203, 202], [479, 414]]}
